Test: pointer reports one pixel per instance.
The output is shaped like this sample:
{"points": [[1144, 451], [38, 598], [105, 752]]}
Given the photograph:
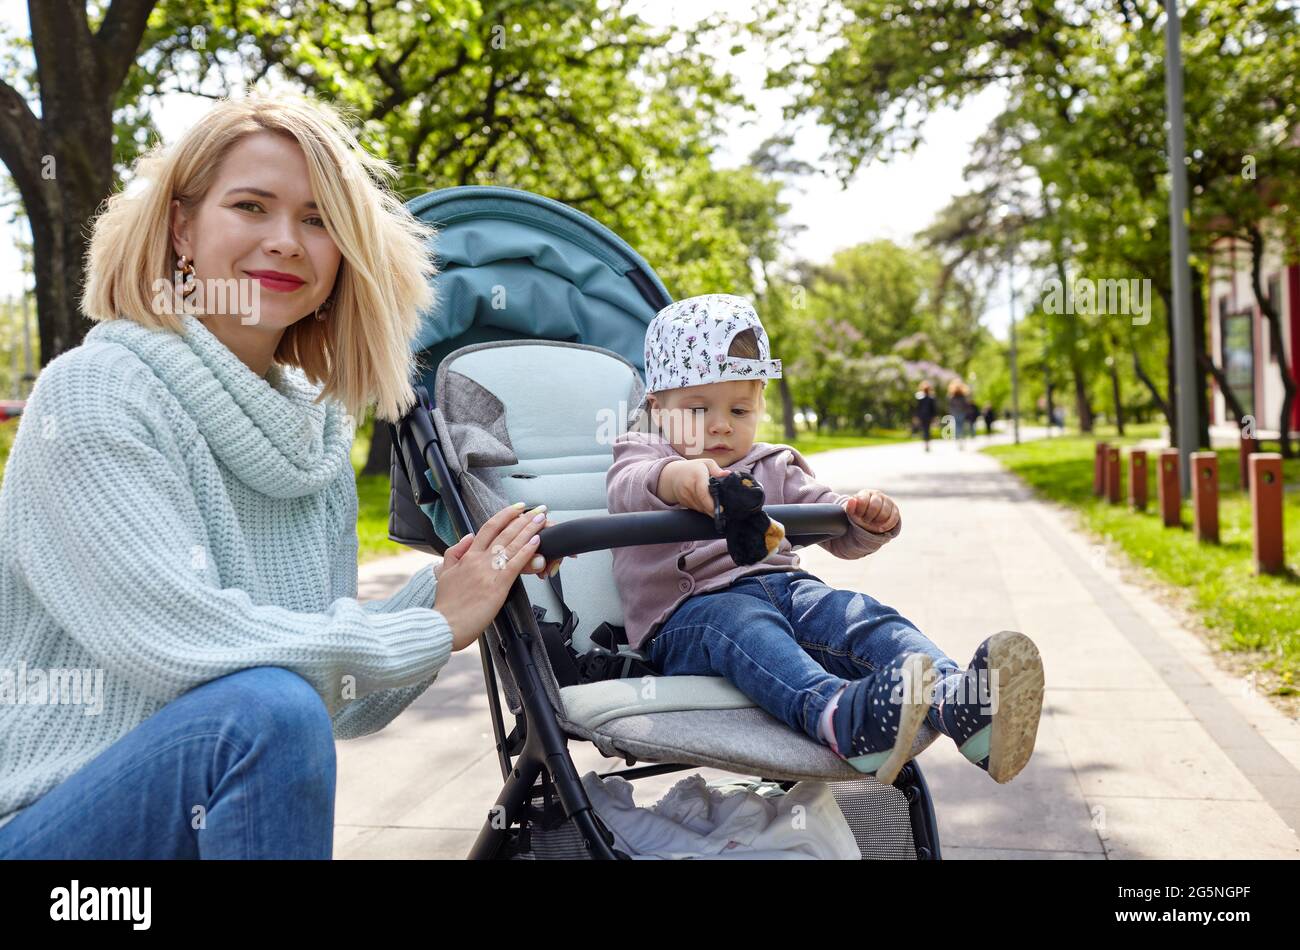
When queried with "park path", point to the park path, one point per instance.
{"points": [[1146, 748]]}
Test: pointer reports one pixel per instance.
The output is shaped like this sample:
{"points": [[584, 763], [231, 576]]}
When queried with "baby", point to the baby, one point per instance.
{"points": [[837, 665]]}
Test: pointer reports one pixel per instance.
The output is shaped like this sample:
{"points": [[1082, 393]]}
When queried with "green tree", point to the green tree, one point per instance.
{"points": [[1085, 85], [61, 162], [879, 318], [577, 99]]}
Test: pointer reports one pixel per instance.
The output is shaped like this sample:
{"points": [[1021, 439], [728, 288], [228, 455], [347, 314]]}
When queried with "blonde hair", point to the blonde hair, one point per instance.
{"points": [[362, 352]]}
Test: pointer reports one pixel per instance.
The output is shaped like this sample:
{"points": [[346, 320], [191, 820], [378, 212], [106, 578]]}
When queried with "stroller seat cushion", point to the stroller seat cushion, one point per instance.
{"points": [[704, 721], [594, 704]]}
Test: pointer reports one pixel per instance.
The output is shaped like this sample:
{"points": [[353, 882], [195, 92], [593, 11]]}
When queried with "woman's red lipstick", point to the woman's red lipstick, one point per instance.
{"points": [[275, 280]]}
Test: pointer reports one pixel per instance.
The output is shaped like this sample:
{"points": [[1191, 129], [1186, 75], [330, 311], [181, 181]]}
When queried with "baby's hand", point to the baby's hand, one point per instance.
{"points": [[687, 483], [873, 511]]}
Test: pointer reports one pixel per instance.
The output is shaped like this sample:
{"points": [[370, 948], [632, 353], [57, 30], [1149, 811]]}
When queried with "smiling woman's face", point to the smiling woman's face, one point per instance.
{"points": [[259, 223]]}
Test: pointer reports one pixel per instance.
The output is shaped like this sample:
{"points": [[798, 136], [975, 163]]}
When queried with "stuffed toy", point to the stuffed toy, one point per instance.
{"points": [[738, 514]]}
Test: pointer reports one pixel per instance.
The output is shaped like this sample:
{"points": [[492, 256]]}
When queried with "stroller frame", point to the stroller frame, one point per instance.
{"points": [[537, 745]]}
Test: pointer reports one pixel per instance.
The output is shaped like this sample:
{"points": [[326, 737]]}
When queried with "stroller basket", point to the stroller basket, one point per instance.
{"points": [[880, 825]]}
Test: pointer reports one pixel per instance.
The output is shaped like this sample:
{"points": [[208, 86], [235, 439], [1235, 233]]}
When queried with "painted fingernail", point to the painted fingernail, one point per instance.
{"points": [[538, 519], [537, 509], [555, 570], [535, 539], [518, 504], [538, 562]]}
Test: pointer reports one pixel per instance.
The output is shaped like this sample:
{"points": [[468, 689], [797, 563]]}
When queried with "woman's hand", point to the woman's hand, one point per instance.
{"points": [[470, 589], [539, 565]]}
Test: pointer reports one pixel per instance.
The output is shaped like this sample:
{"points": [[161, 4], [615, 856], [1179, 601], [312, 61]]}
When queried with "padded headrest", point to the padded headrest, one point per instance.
{"points": [[542, 417]]}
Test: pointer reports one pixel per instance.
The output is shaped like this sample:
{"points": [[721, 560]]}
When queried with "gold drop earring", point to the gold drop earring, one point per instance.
{"points": [[185, 273], [327, 304]]}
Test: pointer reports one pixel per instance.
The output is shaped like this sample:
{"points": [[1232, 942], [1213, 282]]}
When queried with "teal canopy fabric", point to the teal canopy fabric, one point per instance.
{"points": [[515, 265]]}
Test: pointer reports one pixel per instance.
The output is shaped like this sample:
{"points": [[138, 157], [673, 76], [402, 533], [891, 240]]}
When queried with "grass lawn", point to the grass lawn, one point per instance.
{"points": [[810, 442], [1257, 616], [372, 508], [8, 429]]}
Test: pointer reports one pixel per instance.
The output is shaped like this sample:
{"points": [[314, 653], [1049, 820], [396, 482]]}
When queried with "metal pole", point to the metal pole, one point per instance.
{"points": [[1015, 376], [1184, 351]]}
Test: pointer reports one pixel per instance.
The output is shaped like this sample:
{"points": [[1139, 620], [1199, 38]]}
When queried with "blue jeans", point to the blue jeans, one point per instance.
{"points": [[787, 641], [240, 767]]}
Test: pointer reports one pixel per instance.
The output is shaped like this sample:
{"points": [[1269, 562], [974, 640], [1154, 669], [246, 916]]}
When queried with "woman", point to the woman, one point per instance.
{"points": [[958, 407], [972, 414], [178, 518], [925, 410]]}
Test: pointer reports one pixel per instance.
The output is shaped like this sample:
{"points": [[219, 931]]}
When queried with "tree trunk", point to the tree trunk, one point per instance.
{"points": [[1171, 410], [1114, 385], [1204, 365], [1119, 407], [58, 249], [787, 410], [1266, 306], [1047, 385], [1081, 404], [62, 163], [379, 458], [1152, 388]]}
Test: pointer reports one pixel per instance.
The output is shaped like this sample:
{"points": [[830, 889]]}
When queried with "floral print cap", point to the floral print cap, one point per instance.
{"points": [[686, 343]]}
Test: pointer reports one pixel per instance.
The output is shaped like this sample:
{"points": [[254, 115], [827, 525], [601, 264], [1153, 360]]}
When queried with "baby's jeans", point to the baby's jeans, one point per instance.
{"points": [[787, 641]]}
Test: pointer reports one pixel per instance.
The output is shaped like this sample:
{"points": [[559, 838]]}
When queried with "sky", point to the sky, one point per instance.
{"points": [[893, 200]]}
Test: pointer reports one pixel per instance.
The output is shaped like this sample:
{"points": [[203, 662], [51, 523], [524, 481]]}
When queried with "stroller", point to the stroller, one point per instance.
{"points": [[531, 364]]}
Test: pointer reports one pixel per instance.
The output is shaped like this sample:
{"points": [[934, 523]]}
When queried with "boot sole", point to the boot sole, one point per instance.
{"points": [[916, 669], [1020, 703]]}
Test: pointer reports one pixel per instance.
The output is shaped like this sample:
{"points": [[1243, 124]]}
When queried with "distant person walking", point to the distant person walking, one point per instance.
{"points": [[989, 417], [959, 407], [926, 410]]}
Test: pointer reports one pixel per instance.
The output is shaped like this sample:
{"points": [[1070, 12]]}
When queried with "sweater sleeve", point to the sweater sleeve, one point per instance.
{"points": [[363, 715], [418, 591], [630, 483], [106, 546], [799, 487]]}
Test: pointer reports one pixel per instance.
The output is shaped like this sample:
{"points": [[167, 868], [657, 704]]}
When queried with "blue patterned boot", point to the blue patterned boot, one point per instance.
{"points": [[878, 716], [993, 711]]}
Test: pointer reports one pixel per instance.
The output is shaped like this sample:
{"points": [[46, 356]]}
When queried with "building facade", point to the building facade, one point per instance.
{"points": [[1240, 338]]}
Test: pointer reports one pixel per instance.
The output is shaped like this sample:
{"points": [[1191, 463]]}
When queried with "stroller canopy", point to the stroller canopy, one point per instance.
{"points": [[514, 265]]}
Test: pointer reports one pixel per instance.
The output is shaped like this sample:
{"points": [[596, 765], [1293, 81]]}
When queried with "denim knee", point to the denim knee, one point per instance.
{"points": [[279, 705]]}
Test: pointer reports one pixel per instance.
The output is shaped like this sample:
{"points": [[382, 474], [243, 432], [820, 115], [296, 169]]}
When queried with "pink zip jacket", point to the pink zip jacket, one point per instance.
{"points": [[653, 579]]}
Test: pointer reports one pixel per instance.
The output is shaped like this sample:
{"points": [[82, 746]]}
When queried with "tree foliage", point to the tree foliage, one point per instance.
{"points": [[1074, 172]]}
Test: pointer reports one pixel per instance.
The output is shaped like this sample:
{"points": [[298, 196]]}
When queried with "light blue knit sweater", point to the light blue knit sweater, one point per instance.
{"points": [[168, 516]]}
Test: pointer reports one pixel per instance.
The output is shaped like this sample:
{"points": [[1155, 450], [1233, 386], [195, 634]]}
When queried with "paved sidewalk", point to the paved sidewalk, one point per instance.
{"points": [[1146, 749]]}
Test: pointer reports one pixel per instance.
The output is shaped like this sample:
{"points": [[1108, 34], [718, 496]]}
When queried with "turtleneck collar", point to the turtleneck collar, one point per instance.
{"points": [[266, 430]]}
